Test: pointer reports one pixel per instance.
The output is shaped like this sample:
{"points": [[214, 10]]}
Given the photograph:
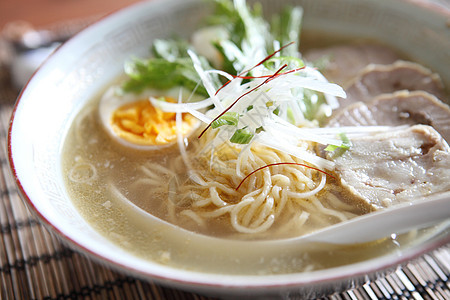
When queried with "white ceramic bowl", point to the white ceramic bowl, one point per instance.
{"points": [[87, 63]]}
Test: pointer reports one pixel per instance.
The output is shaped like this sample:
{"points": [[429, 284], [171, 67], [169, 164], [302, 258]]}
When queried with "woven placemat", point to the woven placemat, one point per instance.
{"points": [[35, 265]]}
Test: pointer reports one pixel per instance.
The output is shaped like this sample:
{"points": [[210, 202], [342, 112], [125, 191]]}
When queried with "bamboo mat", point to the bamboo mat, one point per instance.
{"points": [[35, 265]]}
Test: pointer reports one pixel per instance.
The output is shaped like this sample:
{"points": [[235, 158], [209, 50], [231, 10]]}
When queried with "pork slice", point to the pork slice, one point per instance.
{"points": [[356, 114], [378, 79], [400, 108], [395, 167], [341, 63]]}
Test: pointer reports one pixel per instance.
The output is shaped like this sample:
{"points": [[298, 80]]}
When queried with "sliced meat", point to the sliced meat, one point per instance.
{"points": [[400, 108], [375, 80], [395, 167], [343, 62]]}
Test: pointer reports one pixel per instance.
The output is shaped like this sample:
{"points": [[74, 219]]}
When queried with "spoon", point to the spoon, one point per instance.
{"points": [[398, 219]]}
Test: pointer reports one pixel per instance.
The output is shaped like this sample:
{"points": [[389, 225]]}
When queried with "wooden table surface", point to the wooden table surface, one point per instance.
{"points": [[35, 265]]}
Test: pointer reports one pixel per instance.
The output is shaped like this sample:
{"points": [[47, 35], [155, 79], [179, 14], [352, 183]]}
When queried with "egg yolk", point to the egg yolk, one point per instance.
{"points": [[143, 124]]}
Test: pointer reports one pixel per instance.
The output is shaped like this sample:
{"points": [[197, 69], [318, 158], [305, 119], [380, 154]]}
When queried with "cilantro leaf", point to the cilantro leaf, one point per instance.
{"points": [[160, 73]]}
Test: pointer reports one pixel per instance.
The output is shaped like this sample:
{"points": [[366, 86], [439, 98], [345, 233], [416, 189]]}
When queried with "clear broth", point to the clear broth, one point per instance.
{"points": [[91, 145]]}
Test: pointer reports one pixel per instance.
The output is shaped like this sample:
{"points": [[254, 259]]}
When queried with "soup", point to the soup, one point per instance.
{"points": [[264, 169]]}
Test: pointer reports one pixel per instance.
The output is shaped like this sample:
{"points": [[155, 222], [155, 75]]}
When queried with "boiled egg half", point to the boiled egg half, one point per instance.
{"points": [[134, 122]]}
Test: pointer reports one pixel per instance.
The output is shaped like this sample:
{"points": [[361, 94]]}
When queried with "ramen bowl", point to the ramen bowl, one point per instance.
{"points": [[85, 65]]}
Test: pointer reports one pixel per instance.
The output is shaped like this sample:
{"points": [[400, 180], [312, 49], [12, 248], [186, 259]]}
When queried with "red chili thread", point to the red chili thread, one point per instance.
{"points": [[258, 64], [282, 163], [269, 57], [240, 97], [266, 76]]}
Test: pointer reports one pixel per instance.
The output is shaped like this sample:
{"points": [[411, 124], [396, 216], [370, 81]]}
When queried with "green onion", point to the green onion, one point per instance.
{"points": [[344, 146], [228, 118], [259, 129], [290, 115], [331, 148], [276, 111], [242, 136], [345, 141]]}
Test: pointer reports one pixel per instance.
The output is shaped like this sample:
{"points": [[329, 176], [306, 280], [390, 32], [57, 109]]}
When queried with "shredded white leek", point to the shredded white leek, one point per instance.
{"points": [[259, 98], [181, 142], [206, 80]]}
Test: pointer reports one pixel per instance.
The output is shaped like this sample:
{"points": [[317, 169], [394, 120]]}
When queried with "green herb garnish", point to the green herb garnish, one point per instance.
{"points": [[242, 136], [346, 144], [228, 118], [260, 129]]}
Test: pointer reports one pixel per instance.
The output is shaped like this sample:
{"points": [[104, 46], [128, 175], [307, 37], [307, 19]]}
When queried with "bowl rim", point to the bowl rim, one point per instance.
{"points": [[378, 264], [431, 5]]}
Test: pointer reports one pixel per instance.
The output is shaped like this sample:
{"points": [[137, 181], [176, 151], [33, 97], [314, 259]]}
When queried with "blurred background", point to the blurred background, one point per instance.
{"points": [[32, 29], [41, 13]]}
